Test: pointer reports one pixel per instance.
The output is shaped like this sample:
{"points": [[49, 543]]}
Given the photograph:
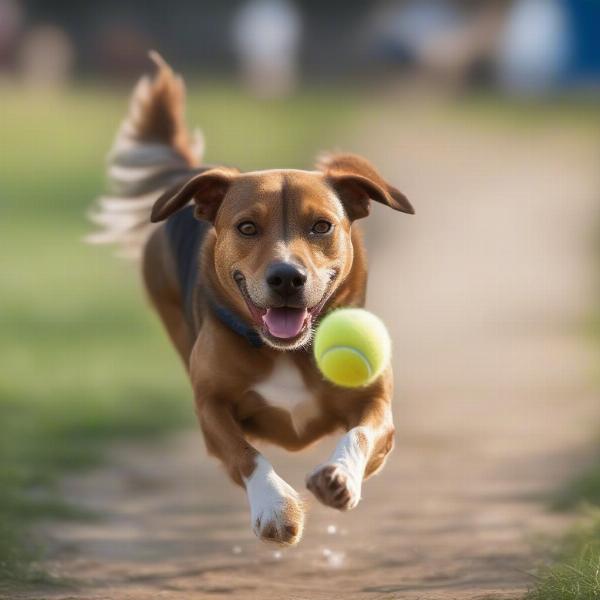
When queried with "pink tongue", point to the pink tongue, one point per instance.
{"points": [[285, 322]]}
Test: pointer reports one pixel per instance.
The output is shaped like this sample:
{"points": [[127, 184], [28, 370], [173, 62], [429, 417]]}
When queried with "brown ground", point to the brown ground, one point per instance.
{"points": [[482, 291]]}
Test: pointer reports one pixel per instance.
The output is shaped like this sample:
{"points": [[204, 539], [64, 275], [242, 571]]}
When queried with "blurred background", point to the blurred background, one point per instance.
{"points": [[485, 114], [530, 46]]}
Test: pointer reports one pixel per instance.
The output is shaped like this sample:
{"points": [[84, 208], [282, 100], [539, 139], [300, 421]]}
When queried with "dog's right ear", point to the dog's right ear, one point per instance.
{"points": [[206, 189]]}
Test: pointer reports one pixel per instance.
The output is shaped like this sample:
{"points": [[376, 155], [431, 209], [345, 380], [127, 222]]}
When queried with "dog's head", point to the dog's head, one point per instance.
{"points": [[283, 237]]}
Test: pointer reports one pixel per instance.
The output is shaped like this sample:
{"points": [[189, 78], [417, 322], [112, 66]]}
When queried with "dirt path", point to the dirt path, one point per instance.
{"points": [[482, 290]]}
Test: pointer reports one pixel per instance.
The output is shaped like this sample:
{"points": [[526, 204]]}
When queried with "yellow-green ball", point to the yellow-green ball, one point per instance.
{"points": [[352, 347]]}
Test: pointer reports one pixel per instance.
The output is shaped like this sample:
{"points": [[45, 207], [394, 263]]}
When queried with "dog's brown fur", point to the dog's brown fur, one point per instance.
{"points": [[225, 370]]}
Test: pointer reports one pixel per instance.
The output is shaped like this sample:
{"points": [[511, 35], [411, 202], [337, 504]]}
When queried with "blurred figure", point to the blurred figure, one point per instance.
{"points": [[46, 57], [266, 35], [536, 47], [11, 18], [435, 38], [404, 30]]}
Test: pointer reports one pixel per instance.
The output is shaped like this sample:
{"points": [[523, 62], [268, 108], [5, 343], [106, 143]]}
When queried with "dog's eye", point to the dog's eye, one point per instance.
{"points": [[247, 228], [321, 227]]}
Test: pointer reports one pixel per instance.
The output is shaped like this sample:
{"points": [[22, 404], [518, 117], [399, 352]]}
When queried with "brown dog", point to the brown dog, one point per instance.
{"points": [[240, 266]]}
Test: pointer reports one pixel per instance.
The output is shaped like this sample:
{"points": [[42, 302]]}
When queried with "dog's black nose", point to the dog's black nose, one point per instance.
{"points": [[286, 278]]}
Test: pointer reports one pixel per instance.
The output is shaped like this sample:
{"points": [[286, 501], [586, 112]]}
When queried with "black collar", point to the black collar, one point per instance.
{"points": [[231, 320]]}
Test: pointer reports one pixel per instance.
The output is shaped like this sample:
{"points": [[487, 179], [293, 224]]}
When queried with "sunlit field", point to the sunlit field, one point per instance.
{"points": [[85, 364]]}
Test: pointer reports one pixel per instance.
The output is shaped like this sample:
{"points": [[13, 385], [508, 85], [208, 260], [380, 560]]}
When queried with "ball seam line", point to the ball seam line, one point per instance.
{"points": [[351, 349]]}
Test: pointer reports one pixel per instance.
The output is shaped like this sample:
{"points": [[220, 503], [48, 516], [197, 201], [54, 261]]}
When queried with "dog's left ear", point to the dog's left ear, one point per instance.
{"points": [[356, 181], [207, 190]]}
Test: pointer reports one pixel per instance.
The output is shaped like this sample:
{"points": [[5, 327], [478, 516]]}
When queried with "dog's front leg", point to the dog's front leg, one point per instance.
{"points": [[359, 453], [277, 514]]}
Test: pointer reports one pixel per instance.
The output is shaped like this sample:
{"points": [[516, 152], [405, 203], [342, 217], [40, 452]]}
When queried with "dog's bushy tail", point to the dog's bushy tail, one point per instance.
{"points": [[152, 151]]}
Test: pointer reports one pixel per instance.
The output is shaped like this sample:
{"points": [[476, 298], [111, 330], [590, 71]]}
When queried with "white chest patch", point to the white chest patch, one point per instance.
{"points": [[285, 388]]}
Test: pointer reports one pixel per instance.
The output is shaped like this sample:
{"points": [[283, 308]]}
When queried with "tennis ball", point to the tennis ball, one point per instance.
{"points": [[352, 347]]}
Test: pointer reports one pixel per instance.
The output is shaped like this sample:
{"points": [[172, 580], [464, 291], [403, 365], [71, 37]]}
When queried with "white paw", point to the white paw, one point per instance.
{"points": [[334, 486], [276, 510]]}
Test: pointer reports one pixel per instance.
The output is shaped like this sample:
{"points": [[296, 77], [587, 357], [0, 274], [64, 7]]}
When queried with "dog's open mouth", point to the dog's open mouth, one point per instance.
{"points": [[283, 322], [286, 322]]}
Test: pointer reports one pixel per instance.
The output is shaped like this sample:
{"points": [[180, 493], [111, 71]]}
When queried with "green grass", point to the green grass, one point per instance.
{"points": [[574, 573], [577, 113], [574, 569], [84, 361], [83, 364], [584, 489]]}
